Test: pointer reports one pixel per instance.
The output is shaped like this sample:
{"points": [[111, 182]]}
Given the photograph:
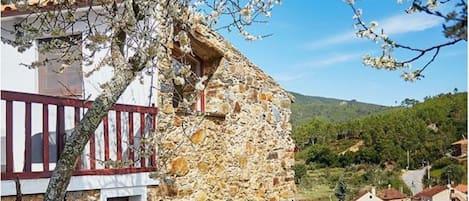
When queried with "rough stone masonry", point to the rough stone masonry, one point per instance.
{"points": [[241, 148]]}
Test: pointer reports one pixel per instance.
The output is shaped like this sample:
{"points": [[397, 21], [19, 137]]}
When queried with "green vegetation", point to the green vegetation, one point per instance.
{"points": [[372, 150], [341, 190], [306, 108], [445, 169], [426, 130]]}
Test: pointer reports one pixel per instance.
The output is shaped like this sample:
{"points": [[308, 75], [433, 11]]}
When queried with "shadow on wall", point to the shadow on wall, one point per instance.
{"points": [[36, 148]]}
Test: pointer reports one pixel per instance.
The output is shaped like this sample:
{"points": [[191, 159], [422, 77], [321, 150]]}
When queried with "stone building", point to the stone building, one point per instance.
{"points": [[234, 144], [240, 147], [460, 148]]}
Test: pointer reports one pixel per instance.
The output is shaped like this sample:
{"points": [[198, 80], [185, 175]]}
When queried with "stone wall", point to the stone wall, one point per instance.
{"points": [[238, 149]]}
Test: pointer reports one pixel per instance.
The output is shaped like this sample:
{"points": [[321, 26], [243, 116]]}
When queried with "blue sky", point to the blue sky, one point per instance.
{"points": [[313, 51]]}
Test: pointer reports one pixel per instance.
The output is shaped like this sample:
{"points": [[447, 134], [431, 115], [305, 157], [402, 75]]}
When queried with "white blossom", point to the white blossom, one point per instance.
{"points": [[246, 12], [384, 36], [250, 37], [410, 10], [351, 2], [412, 76], [179, 80], [382, 62], [186, 70], [199, 86], [199, 3], [62, 67], [203, 78], [432, 4]]}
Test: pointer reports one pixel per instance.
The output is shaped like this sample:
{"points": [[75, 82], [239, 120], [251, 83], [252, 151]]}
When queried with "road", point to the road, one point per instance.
{"points": [[413, 179]]}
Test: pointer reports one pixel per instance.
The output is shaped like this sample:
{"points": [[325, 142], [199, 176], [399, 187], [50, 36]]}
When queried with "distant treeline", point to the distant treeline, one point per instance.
{"points": [[306, 108]]}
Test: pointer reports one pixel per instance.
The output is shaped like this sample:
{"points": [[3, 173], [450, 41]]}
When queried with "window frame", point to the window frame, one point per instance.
{"points": [[178, 55], [75, 72]]}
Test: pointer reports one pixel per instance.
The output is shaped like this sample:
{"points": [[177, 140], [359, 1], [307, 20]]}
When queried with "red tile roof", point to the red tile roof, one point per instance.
{"points": [[430, 192], [391, 194], [463, 142], [461, 188]]}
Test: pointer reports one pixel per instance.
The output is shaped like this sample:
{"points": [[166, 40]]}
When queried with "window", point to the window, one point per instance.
{"points": [[61, 73], [124, 193], [187, 90], [119, 199]]}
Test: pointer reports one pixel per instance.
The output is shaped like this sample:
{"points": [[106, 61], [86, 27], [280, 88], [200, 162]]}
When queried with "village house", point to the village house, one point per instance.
{"points": [[442, 193], [460, 148], [367, 196], [436, 193], [392, 194], [235, 145], [458, 193], [389, 194], [461, 188]]}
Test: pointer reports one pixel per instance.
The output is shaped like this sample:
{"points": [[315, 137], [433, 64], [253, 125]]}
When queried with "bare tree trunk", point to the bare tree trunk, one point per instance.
{"points": [[19, 194], [124, 73], [81, 134]]}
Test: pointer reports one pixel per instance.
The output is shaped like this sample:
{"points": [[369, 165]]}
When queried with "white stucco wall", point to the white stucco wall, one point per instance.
{"points": [[369, 197], [442, 196]]}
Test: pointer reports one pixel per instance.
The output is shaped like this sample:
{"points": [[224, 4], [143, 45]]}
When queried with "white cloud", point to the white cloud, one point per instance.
{"points": [[406, 23], [333, 40], [330, 60], [397, 24]]}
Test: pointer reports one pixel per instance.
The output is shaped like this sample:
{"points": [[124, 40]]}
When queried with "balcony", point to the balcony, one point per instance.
{"points": [[35, 127]]}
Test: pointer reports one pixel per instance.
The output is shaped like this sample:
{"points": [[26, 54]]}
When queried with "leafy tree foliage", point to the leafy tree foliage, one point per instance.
{"points": [[300, 171], [341, 190], [453, 173]]}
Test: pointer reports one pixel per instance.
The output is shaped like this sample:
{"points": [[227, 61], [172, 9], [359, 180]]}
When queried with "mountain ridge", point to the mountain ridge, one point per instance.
{"points": [[306, 108]]}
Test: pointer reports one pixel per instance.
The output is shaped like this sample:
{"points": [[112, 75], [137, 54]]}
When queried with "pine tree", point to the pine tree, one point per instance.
{"points": [[341, 190]]}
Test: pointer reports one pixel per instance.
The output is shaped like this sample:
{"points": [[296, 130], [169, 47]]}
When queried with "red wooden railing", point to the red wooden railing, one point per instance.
{"points": [[10, 98]]}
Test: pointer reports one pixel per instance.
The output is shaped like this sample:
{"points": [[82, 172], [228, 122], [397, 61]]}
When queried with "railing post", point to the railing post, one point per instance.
{"points": [[106, 140], [9, 137], [27, 138], [142, 140], [118, 135], [45, 137], [131, 138], [60, 131], [153, 149], [76, 121]]}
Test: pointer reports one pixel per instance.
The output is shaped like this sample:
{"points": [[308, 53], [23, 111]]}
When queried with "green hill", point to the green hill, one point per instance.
{"points": [[380, 143], [306, 108], [427, 129]]}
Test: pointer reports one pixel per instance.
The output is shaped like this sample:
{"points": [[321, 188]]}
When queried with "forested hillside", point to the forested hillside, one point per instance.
{"points": [[306, 108], [373, 149], [427, 130]]}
